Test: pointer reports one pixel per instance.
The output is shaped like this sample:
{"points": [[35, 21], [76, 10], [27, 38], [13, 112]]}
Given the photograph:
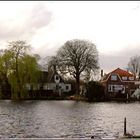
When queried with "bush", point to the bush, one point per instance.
{"points": [[94, 91]]}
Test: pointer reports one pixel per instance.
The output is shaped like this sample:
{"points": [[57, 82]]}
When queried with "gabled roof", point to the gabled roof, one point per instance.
{"points": [[120, 72], [47, 76], [105, 77], [51, 75]]}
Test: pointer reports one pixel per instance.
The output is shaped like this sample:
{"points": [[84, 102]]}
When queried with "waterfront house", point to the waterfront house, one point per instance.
{"points": [[49, 82], [57, 83], [119, 82]]}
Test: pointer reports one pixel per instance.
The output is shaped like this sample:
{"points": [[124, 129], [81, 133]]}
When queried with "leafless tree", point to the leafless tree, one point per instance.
{"points": [[77, 57], [134, 65], [53, 63]]}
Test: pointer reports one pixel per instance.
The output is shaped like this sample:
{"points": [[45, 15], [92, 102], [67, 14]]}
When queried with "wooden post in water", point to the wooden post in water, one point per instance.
{"points": [[125, 126]]}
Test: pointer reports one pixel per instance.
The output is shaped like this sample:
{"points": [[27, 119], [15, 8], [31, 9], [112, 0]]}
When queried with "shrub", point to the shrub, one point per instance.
{"points": [[94, 91]]}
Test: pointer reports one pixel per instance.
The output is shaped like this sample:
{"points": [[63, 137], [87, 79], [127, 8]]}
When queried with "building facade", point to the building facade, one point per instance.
{"points": [[119, 82], [49, 82]]}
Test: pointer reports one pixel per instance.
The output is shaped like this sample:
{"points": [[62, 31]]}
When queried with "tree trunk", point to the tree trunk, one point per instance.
{"points": [[77, 85]]}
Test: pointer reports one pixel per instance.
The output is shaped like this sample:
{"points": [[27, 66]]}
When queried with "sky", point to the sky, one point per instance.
{"points": [[113, 26]]}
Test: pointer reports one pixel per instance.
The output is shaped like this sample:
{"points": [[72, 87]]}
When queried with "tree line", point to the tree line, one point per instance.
{"points": [[76, 59], [18, 66]]}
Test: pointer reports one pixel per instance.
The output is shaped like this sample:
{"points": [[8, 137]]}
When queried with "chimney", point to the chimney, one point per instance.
{"points": [[102, 73]]}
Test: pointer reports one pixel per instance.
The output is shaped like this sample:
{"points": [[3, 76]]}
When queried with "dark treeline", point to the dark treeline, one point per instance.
{"points": [[76, 60]]}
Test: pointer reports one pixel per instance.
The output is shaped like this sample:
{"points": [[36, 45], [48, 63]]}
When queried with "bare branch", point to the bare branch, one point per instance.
{"points": [[76, 57]]}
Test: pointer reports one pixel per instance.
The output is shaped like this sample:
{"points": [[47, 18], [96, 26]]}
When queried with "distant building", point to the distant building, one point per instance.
{"points": [[49, 81], [119, 82], [57, 83]]}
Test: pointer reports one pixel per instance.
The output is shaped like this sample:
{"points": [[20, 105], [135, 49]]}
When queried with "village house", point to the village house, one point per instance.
{"points": [[57, 83], [49, 83], [119, 82]]}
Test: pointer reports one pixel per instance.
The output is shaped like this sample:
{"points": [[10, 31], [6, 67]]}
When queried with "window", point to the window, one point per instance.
{"points": [[57, 87], [124, 78], [113, 77], [131, 78], [115, 88], [67, 87], [110, 89], [56, 77]]}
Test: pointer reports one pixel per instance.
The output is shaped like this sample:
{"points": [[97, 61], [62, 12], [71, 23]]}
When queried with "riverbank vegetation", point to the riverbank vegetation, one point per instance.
{"points": [[17, 67], [76, 61], [94, 91]]}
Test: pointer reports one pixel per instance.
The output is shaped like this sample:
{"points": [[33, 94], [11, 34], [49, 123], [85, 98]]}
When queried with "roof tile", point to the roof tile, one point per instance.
{"points": [[121, 72]]}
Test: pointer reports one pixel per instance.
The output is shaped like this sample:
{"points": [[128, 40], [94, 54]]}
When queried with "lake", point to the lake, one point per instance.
{"points": [[66, 119]]}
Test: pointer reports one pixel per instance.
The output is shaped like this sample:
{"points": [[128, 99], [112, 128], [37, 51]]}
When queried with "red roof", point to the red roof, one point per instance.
{"points": [[121, 72]]}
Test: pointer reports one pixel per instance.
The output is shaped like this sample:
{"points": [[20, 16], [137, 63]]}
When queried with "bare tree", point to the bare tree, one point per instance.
{"points": [[53, 63], [134, 65], [77, 57]]}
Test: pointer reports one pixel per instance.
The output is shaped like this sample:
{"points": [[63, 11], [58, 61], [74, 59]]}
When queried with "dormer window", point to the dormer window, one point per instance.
{"points": [[131, 78], [57, 78], [124, 78], [113, 77]]}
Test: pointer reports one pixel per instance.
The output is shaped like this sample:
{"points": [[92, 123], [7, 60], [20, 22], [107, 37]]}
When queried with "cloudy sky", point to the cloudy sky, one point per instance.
{"points": [[114, 27]]}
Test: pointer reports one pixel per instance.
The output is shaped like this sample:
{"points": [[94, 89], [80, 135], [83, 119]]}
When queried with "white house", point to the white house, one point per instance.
{"points": [[50, 81], [57, 84]]}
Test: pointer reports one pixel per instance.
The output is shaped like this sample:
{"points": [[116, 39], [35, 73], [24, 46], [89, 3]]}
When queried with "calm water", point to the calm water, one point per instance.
{"points": [[66, 119]]}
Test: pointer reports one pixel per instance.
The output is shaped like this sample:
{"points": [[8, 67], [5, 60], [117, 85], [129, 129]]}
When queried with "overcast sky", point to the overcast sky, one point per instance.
{"points": [[114, 27]]}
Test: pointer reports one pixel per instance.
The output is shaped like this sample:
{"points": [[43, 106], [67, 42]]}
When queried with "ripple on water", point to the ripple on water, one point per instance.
{"points": [[70, 119]]}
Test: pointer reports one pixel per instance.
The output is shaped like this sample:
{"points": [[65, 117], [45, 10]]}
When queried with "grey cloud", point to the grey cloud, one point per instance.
{"points": [[131, 50], [110, 62], [120, 59], [44, 51], [40, 16], [37, 18]]}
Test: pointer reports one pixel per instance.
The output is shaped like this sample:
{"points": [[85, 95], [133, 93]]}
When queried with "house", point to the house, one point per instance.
{"points": [[49, 81], [57, 83], [118, 82]]}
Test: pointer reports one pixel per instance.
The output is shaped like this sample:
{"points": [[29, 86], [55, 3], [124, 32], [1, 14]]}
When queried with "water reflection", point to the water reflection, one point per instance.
{"points": [[66, 119]]}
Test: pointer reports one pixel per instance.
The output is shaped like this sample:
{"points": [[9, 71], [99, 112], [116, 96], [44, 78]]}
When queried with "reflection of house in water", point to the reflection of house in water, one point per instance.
{"points": [[119, 82], [49, 82]]}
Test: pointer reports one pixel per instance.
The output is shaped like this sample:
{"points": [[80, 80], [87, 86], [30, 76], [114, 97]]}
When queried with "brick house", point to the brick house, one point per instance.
{"points": [[119, 82]]}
